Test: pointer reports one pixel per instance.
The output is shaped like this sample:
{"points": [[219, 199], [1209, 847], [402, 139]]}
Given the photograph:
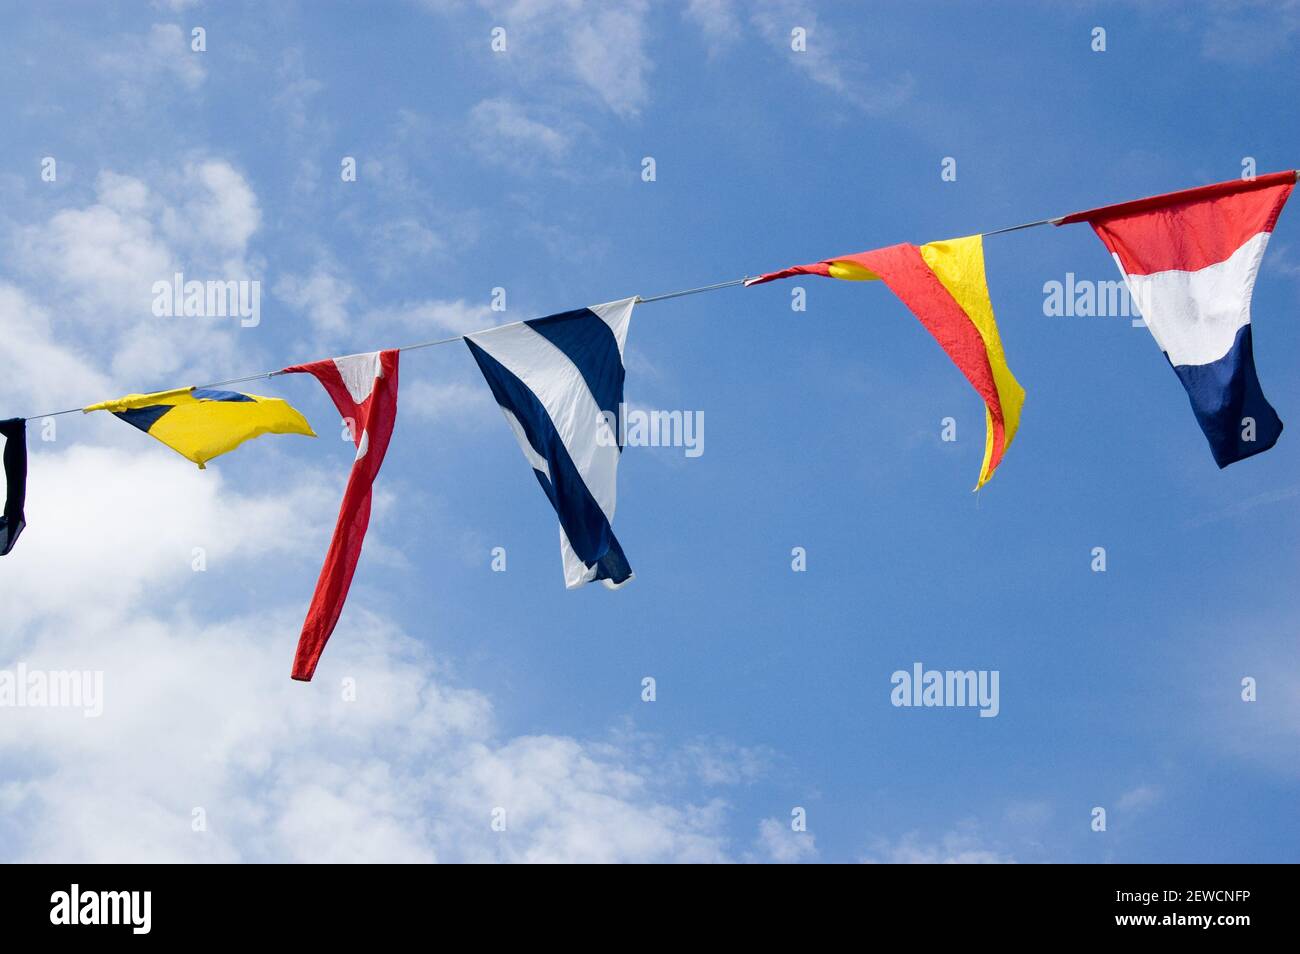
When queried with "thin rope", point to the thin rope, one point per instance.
{"points": [[732, 283], [1027, 225], [692, 291]]}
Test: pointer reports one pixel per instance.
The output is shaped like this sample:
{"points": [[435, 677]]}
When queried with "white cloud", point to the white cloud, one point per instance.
{"points": [[456, 317], [1028, 815], [295, 94], [778, 842], [215, 215], [107, 254], [157, 505], [503, 133], [96, 266], [203, 715], [719, 762], [598, 46], [40, 375], [1244, 33], [607, 51], [143, 66], [321, 295], [403, 240], [1138, 799], [445, 399], [826, 60], [199, 712], [960, 847], [718, 21]]}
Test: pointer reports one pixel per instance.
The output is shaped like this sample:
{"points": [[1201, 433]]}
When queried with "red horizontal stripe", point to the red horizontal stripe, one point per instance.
{"points": [[1192, 229], [1218, 189]]}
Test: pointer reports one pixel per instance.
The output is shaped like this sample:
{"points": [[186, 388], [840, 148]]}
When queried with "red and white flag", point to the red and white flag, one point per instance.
{"points": [[1189, 259], [364, 389]]}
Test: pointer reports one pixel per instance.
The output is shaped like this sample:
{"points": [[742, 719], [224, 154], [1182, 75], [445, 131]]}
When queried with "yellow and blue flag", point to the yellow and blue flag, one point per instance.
{"points": [[200, 423]]}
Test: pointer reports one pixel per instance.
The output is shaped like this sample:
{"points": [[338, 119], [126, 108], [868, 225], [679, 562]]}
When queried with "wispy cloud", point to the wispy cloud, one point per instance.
{"points": [[141, 67], [1246, 32], [503, 133], [1245, 506], [563, 47], [1138, 799], [779, 843], [962, 846], [824, 57]]}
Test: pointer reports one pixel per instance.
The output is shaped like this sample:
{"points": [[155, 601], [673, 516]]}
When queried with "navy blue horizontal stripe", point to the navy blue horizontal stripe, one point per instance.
{"points": [[1223, 393]]}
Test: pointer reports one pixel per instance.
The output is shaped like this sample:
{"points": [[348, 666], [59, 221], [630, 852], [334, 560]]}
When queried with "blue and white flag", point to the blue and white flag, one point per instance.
{"points": [[559, 381]]}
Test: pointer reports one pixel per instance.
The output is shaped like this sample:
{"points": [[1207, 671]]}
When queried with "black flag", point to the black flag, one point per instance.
{"points": [[13, 521]]}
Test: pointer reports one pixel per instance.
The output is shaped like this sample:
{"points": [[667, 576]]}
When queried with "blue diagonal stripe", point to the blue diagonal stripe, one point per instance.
{"points": [[580, 515], [587, 341]]}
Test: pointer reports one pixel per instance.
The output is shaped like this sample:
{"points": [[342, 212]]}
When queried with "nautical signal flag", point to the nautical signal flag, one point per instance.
{"points": [[201, 423], [13, 520], [1190, 259], [943, 285], [364, 389], [559, 382]]}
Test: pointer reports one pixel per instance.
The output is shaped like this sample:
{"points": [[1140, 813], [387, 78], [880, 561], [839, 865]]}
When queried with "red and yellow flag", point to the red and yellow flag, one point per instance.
{"points": [[943, 285]]}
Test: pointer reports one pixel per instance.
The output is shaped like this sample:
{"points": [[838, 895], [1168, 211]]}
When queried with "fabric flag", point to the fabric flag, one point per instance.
{"points": [[200, 423], [943, 285], [364, 389], [15, 460], [1189, 259], [559, 381]]}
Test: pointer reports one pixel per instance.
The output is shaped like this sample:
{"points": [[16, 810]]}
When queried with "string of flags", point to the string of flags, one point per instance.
{"points": [[1188, 258]]}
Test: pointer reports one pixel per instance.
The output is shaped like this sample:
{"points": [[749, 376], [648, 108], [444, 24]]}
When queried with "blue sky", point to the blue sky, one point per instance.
{"points": [[522, 170]]}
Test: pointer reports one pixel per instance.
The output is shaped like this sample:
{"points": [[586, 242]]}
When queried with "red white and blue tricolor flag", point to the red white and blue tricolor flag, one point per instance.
{"points": [[1190, 259]]}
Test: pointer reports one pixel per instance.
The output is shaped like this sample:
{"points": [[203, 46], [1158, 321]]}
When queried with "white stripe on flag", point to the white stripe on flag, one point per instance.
{"points": [[537, 461], [616, 314], [576, 572], [558, 384], [358, 372], [1195, 316]]}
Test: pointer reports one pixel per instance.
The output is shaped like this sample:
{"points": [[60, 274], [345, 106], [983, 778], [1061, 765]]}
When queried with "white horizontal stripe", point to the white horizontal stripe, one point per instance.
{"points": [[558, 384], [1195, 316]]}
